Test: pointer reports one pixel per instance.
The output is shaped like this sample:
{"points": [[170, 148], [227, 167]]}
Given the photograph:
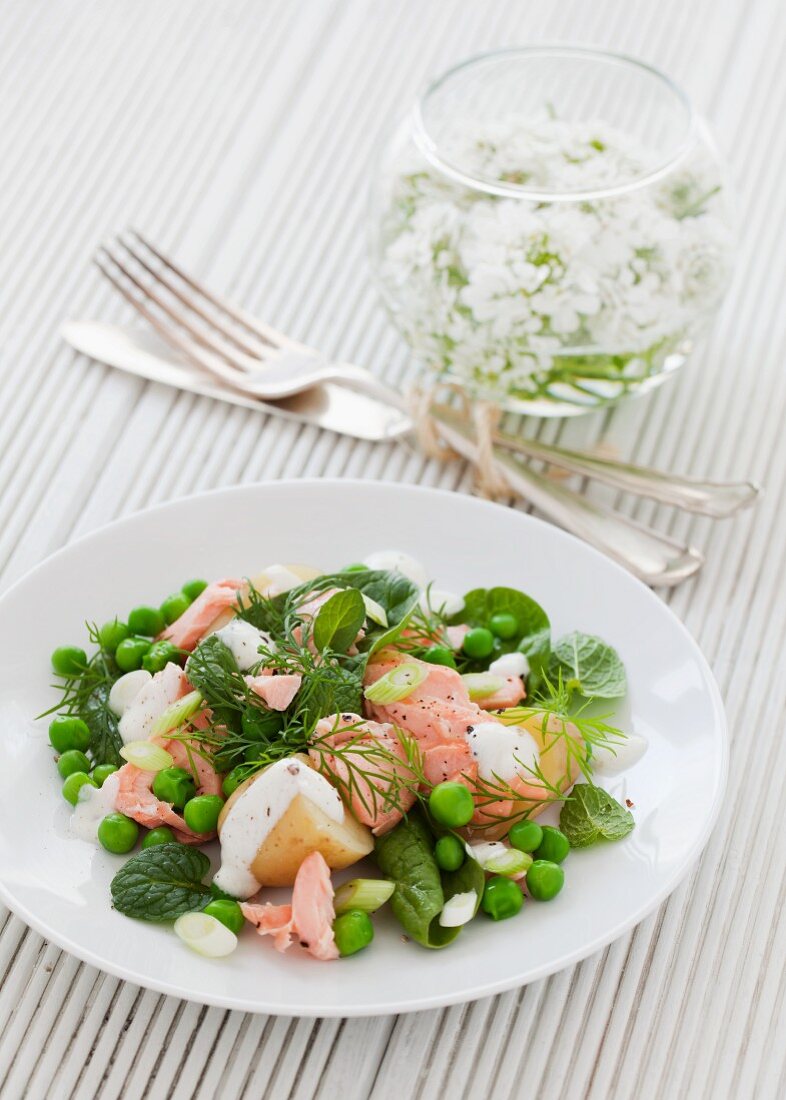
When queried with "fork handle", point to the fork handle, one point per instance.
{"points": [[708, 498], [654, 558]]}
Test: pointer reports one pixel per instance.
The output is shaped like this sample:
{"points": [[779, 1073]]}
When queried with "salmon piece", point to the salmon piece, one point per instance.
{"points": [[367, 802], [510, 695], [135, 799], [207, 779], [312, 908], [197, 619], [277, 692], [271, 920], [167, 686], [450, 763], [438, 710], [310, 916]]}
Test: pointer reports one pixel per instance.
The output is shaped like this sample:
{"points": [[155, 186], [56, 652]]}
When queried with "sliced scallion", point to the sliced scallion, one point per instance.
{"points": [[206, 935], [481, 685], [147, 756], [367, 894], [397, 684], [177, 713], [375, 611]]}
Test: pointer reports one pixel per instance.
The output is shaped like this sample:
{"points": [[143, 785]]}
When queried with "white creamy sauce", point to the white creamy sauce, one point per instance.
{"points": [[510, 664], [280, 579], [150, 702], [396, 561], [93, 804], [504, 751], [256, 813], [243, 641], [442, 602], [125, 690], [624, 756]]}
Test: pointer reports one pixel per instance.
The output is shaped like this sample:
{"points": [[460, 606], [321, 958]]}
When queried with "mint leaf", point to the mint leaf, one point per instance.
{"points": [[338, 621], [589, 666], [161, 883], [533, 636], [591, 814]]}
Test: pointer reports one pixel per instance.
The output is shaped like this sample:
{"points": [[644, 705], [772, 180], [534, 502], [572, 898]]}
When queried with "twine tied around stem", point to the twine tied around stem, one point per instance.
{"points": [[485, 416]]}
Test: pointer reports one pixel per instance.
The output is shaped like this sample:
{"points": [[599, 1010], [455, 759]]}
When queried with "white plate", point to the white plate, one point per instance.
{"points": [[60, 885]]}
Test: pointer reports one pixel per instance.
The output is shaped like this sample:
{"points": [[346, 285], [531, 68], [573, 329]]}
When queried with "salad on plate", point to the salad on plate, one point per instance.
{"points": [[298, 723]]}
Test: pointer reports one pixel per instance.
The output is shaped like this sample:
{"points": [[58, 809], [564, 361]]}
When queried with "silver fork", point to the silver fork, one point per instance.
{"points": [[254, 359], [216, 335]]}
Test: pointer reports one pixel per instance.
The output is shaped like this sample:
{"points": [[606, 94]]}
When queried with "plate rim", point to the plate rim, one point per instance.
{"points": [[424, 1003]]}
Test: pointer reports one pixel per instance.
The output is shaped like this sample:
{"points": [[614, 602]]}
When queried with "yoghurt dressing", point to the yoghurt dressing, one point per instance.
{"points": [[501, 751], [258, 810], [604, 761], [92, 806], [243, 641]]}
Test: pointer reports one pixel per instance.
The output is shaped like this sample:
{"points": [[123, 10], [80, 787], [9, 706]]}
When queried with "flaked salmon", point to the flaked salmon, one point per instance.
{"points": [[380, 770], [310, 916], [197, 619], [278, 691]]}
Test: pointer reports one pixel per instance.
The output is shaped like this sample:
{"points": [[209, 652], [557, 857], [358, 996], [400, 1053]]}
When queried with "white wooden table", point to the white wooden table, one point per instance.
{"points": [[240, 136]]}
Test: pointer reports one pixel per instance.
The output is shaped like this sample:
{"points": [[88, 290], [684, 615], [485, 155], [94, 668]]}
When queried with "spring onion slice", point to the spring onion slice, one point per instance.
{"points": [[496, 858], [482, 684], [459, 910], [205, 935], [177, 713], [397, 684], [147, 756], [375, 611], [367, 894]]}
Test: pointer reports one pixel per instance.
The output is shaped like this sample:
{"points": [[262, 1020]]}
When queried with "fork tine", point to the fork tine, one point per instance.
{"points": [[258, 350], [215, 344], [192, 351], [264, 332]]}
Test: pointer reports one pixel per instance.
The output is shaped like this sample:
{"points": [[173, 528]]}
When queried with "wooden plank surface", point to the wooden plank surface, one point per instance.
{"points": [[241, 136]]}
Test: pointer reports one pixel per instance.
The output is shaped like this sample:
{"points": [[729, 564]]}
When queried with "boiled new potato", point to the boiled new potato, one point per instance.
{"points": [[303, 828]]}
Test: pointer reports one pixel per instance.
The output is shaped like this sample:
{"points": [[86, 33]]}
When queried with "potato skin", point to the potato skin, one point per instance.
{"points": [[303, 828]]}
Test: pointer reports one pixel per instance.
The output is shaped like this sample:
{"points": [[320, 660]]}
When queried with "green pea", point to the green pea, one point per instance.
{"points": [[174, 785], [162, 835], [353, 931], [451, 805], [228, 912], [68, 733], [148, 621], [545, 879], [159, 655], [554, 846], [201, 813], [192, 589], [72, 761], [233, 780], [74, 784], [504, 625], [478, 643], [130, 652], [525, 835], [174, 606], [69, 660], [439, 655], [112, 634], [102, 772], [118, 833], [501, 898], [449, 853], [261, 725]]}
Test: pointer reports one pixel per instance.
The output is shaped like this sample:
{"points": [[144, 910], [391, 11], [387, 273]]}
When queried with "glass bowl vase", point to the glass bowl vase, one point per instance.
{"points": [[550, 228]]}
